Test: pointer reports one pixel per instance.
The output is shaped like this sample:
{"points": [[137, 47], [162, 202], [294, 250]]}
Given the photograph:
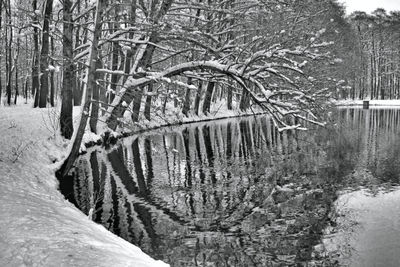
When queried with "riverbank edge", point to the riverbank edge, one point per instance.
{"points": [[39, 227], [374, 102], [91, 140], [34, 174]]}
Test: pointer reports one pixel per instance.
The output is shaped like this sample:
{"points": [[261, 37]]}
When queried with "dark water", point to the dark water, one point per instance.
{"points": [[238, 192]]}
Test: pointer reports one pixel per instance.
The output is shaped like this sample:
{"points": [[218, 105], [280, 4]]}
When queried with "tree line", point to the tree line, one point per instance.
{"points": [[140, 58], [378, 50]]}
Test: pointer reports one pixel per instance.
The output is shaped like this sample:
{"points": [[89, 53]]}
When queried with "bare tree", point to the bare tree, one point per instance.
{"points": [[90, 83]]}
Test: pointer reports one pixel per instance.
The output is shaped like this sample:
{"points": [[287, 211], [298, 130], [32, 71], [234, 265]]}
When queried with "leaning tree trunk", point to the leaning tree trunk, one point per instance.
{"points": [[132, 51], [94, 114], [88, 89], [68, 82], [145, 62], [44, 56]]}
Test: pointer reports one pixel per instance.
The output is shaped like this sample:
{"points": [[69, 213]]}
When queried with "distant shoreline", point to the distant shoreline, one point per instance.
{"points": [[372, 103]]}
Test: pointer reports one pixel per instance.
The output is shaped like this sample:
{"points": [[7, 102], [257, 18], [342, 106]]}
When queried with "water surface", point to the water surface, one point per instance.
{"points": [[237, 192]]}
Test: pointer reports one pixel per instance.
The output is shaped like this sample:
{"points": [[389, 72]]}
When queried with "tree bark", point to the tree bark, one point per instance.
{"points": [[147, 107], [114, 65], [52, 87], [230, 96], [94, 114], [198, 97], [1, 43], [89, 85], [9, 53], [68, 82], [16, 68], [207, 97], [77, 93], [186, 105], [44, 55], [244, 100]]}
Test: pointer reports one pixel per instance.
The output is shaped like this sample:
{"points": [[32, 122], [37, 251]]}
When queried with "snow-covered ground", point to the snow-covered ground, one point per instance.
{"points": [[174, 116], [380, 103], [38, 227]]}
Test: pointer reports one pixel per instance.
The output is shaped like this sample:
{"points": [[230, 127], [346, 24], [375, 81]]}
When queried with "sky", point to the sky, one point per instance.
{"points": [[370, 5]]}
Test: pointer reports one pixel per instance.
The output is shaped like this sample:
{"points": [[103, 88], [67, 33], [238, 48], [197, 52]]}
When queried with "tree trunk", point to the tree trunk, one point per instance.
{"points": [[44, 55], [26, 86], [94, 115], [26, 89], [68, 82], [137, 100], [208, 97], [130, 53], [244, 101], [9, 54], [77, 93], [144, 62], [230, 96], [186, 105], [16, 68], [147, 107], [1, 44], [52, 87], [114, 66], [198, 98], [89, 85]]}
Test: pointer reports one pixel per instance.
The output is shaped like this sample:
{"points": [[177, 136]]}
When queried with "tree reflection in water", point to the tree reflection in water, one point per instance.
{"points": [[235, 192]]}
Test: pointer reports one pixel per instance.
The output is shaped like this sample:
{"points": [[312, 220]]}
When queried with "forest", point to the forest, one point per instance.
{"points": [[145, 57]]}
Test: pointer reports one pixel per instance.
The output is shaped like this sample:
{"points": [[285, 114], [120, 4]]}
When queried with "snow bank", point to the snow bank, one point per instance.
{"points": [[173, 116], [38, 227], [387, 103]]}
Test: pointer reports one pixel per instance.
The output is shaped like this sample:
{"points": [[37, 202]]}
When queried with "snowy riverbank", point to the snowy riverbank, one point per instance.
{"points": [[173, 116], [38, 227], [372, 103]]}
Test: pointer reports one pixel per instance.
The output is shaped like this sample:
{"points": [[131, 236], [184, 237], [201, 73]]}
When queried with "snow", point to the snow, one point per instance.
{"points": [[173, 116], [38, 227], [90, 137], [378, 103]]}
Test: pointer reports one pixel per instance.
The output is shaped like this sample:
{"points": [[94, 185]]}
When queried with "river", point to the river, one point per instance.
{"points": [[237, 192]]}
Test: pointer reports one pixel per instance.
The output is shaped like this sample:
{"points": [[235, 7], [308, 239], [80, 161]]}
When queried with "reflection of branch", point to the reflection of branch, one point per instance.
{"points": [[126, 182], [97, 197]]}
